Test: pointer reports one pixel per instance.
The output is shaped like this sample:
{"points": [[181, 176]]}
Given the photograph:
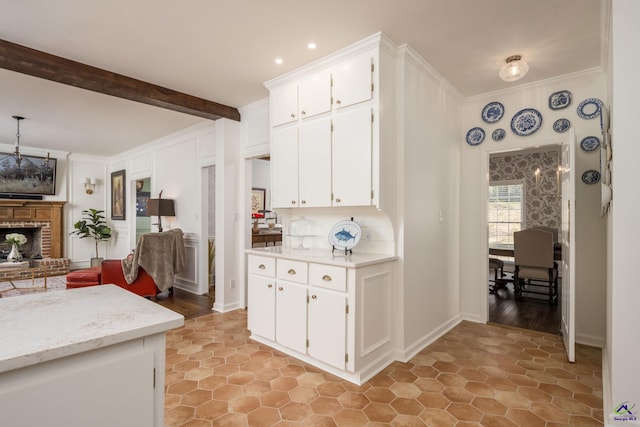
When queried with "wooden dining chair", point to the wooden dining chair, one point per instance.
{"points": [[534, 264]]}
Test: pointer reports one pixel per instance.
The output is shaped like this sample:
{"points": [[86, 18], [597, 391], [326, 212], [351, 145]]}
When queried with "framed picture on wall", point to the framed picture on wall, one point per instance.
{"points": [[257, 199], [118, 207]]}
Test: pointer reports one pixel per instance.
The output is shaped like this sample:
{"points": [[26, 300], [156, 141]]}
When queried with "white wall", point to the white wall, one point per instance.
{"points": [[623, 340], [428, 130], [590, 227]]}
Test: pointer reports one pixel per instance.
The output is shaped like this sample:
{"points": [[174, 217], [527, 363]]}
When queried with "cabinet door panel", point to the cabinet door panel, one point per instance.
{"points": [[284, 168], [351, 158], [314, 156], [261, 311], [284, 104], [327, 327], [291, 316], [315, 94], [352, 81]]}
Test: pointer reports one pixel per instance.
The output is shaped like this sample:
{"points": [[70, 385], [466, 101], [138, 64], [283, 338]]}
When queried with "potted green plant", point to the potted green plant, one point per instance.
{"points": [[93, 225]]}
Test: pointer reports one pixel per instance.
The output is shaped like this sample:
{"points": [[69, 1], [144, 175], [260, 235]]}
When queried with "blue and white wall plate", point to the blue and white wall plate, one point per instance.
{"points": [[345, 235], [492, 112], [559, 100], [526, 122], [590, 143], [591, 177], [589, 108], [498, 134], [475, 136], [561, 125]]}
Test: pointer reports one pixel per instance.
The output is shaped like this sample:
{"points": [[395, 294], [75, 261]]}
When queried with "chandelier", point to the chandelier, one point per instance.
{"points": [[16, 151]]}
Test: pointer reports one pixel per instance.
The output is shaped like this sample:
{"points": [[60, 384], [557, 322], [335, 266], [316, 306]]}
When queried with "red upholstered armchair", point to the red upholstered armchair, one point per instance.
{"points": [[143, 285]]}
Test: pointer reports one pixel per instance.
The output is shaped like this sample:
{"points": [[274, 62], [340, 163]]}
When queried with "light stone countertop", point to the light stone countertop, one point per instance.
{"points": [[36, 328], [323, 256]]}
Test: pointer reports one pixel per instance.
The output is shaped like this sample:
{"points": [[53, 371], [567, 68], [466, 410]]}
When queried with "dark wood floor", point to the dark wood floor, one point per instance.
{"points": [[527, 313], [186, 303]]}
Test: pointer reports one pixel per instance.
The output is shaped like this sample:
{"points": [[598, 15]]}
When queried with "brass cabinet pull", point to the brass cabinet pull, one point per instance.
{"points": [[326, 278], [313, 297], [262, 266], [269, 286], [291, 271], [280, 288]]}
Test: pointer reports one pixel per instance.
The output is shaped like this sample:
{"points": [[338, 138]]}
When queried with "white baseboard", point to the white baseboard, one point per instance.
{"points": [[428, 339], [226, 308], [590, 340]]}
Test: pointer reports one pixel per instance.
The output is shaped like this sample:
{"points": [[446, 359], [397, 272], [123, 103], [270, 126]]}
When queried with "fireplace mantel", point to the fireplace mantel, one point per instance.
{"points": [[14, 212]]}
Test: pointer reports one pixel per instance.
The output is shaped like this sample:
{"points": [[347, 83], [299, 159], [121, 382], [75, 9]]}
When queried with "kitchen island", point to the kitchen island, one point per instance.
{"points": [[88, 356]]}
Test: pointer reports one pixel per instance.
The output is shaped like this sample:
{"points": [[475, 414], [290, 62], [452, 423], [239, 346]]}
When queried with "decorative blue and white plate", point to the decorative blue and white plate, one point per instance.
{"points": [[498, 134], [492, 112], [591, 177], [559, 100], [590, 143], [561, 125], [345, 235], [475, 136], [526, 122], [589, 108]]}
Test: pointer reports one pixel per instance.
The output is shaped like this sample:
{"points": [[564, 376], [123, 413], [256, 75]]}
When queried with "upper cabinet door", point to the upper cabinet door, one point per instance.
{"points": [[284, 104], [314, 163], [315, 94], [284, 167], [353, 81]]}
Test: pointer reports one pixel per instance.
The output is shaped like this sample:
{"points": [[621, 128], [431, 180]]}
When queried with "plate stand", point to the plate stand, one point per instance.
{"points": [[346, 251]]}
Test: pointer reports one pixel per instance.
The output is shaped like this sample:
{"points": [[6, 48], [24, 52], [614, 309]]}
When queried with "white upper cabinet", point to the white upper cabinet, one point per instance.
{"points": [[284, 104], [315, 94], [353, 81], [314, 167], [284, 167]]}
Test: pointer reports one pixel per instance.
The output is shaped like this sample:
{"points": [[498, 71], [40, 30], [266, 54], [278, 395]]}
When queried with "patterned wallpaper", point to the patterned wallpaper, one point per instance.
{"points": [[542, 202]]}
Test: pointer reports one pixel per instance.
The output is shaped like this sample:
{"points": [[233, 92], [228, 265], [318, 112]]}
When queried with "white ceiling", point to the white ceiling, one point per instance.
{"points": [[223, 50]]}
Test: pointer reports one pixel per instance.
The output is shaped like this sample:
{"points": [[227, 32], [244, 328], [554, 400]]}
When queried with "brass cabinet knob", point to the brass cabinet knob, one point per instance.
{"points": [[338, 102], [269, 286], [293, 115], [314, 297], [280, 288], [303, 112], [338, 200], [303, 202], [293, 202]]}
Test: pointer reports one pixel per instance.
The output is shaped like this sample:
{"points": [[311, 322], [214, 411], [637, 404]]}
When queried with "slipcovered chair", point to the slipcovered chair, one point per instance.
{"points": [[534, 265]]}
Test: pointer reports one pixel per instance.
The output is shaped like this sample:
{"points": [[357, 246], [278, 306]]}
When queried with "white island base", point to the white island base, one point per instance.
{"points": [[91, 356]]}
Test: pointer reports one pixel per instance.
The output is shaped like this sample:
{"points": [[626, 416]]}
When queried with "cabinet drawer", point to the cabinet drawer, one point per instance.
{"points": [[328, 276], [293, 271], [263, 266]]}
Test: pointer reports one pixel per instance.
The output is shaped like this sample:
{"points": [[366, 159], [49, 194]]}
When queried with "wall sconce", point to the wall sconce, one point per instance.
{"points": [[160, 207], [89, 185], [537, 174]]}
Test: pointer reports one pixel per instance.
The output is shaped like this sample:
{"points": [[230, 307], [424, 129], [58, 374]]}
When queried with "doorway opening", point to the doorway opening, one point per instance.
{"points": [[525, 191]]}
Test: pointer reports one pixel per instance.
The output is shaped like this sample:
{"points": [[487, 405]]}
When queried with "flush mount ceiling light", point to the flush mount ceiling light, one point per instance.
{"points": [[514, 69]]}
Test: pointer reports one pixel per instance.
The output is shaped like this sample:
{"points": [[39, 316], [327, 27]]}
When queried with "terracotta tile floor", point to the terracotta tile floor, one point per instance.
{"points": [[474, 375]]}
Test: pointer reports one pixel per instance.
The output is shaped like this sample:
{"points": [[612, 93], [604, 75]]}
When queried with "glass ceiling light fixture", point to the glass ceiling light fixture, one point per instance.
{"points": [[514, 69]]}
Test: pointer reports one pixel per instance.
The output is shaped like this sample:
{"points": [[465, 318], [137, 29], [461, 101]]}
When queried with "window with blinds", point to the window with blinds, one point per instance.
{"points": [[506, 211]]}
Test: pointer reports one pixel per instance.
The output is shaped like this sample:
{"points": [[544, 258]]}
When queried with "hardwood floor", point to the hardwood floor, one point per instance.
{"points": [[186, 303], [527, 313]]}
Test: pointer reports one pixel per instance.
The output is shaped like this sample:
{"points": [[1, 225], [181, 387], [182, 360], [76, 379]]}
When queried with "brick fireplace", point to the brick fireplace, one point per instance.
{"points": [[42, 223]]}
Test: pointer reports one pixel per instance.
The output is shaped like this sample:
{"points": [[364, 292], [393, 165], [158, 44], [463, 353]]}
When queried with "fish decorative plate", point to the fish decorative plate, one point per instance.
{"points": [[345, 235], [492, 112], [526, 122]]}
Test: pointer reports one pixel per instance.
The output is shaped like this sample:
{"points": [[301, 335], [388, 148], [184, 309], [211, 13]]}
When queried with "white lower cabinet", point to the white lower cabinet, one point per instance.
{"points": [[336, 317], [291, 316], [328, 326]]}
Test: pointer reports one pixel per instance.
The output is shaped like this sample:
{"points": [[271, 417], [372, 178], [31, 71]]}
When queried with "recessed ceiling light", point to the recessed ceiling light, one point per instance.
{"points": [[312, 45], [278, 61]]}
